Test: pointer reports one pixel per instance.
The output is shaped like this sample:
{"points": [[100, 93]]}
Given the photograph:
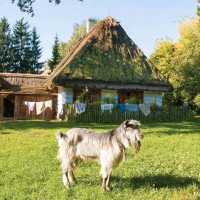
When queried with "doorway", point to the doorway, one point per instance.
{"points": [[9, 106]]}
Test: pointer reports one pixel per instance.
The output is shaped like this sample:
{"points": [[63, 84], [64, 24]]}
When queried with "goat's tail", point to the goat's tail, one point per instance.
{"points": [[65, 151]]}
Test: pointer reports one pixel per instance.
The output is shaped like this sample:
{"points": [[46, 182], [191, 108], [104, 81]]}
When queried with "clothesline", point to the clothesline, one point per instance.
{"points": [[144, 108], [40, 106]]}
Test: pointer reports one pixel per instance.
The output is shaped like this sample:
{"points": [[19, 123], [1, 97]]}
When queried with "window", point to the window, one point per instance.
{"points": [[153, 98], [109, 97]]}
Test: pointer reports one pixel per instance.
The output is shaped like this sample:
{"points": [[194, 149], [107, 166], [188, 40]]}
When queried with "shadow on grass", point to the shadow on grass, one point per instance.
{"points": [[155, 181], [169, 128], [23, 125]]}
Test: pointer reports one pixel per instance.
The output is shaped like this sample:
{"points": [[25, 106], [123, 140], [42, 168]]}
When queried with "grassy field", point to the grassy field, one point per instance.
{"points": [[168, 166]]}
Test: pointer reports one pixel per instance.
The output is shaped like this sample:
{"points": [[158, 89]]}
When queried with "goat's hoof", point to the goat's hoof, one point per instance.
{"points": [[73, 183], [67, 186], [106, 189]]}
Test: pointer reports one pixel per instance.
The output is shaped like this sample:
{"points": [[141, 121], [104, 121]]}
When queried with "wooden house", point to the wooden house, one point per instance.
{"points": [[17, 89], [104, 66]]}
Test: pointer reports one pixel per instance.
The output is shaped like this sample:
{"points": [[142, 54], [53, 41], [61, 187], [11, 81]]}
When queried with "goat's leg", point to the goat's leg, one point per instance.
{"points": [[105, 173], [66, 168], [71, 176], [66, 179], [107, 182]]}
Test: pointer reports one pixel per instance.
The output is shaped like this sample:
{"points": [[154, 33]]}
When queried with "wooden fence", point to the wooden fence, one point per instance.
{"points": [[93, 113]]}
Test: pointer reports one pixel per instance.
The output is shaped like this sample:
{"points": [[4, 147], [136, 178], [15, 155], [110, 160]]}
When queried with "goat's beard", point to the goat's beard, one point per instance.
{"points": [[137, 146]]}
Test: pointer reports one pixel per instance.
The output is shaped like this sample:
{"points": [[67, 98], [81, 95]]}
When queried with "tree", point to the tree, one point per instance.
{"points": [[5, 46], [55, 55], [179, 62], [27, 5], [163, 58], [22, 48], [78, 32], [36, 51], [198, 8]]}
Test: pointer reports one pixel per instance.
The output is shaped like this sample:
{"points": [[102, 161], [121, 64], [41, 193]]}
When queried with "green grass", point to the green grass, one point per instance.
{"points": [[168, 166]]}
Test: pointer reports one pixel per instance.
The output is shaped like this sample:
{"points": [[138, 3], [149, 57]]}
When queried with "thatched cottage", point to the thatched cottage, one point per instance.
{"points": [[105, 66]]}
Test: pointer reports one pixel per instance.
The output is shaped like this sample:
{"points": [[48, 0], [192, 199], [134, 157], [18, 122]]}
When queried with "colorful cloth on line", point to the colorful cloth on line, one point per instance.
{"points": [[145, 108], [107, 107], [30, 105], [80, 108]]}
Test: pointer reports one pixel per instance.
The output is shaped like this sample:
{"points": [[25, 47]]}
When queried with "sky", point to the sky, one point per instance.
{"points": [[145, 21]]}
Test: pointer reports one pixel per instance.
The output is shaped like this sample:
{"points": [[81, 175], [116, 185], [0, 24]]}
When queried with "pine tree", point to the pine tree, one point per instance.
{"points": [[22, 47], [55, 55], [5, 46], [36, 51]]}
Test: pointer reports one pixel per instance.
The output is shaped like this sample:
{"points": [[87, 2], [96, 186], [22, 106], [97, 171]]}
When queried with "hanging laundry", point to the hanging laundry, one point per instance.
{"points": [[145, 108], [39, 107], [122, 107], [131, 107], [107, 107], [80, 108], [30, 105], [48, 104]]}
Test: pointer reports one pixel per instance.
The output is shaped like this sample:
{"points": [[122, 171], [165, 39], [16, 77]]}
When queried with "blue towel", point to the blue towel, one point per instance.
{"points": [[122, 107], [80, 107], [131, 107]]}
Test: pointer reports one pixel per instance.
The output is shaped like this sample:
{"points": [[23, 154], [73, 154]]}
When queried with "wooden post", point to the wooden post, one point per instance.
{"points": [[16, 107], [1, 107]]}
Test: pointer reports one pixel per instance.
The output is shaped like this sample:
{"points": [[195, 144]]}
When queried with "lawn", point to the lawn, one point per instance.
{"points": [[168, 166]]}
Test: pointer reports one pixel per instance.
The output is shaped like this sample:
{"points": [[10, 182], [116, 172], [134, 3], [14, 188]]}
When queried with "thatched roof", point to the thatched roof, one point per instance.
{"points": [[17, 82], [106, 53]]}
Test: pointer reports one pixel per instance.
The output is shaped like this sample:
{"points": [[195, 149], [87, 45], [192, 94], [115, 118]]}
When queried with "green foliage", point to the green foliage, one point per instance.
{"points": [[162, 58], [26, 49], [27, 5], [36, 51], [197, 101], [78, 33], [22, 47], [5, 46], [198, 8], [179, 62], [56, 57], [167, 167]]}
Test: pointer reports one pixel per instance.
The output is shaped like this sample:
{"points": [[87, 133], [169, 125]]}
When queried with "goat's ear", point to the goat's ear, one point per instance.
{"points": [[126, 123]]}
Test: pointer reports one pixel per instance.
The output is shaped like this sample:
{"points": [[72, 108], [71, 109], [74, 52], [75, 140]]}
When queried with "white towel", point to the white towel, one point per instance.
{"points": [[145, 108], [39, 107], [48, 104], [107, 107]]}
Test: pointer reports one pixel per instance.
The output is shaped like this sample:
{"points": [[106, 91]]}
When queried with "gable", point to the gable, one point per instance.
{"points": [[106, 53]]}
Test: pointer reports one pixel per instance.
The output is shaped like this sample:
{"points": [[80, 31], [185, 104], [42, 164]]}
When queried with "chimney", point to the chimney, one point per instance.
{"points": [[88, 25]]}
